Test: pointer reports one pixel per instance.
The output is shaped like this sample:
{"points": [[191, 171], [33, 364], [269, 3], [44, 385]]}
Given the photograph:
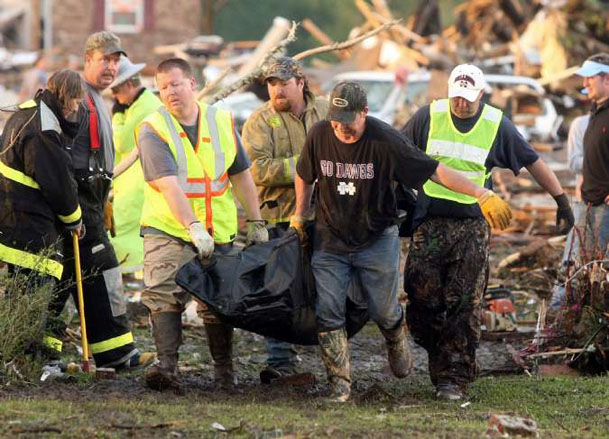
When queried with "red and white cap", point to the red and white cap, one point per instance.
{"points": [[466, 81]]}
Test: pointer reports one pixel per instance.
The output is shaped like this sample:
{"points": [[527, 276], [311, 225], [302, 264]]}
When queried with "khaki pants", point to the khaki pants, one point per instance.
{"points": [[163, 257]]}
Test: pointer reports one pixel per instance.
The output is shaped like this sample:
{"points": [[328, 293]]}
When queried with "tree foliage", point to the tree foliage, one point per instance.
{"points": [[248, 20]]}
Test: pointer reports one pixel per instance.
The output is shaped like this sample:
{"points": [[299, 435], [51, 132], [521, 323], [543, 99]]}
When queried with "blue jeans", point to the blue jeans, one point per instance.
{"points": [[586, 241], [279, 353], [376, 266], [593, 226]]}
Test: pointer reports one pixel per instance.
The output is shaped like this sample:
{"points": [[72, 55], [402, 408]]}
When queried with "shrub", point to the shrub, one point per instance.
{"points": [[23, 310]]}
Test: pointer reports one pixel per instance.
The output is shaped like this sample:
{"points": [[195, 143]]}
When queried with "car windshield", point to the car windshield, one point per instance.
{"points": [[377, 93], [415, 90]]}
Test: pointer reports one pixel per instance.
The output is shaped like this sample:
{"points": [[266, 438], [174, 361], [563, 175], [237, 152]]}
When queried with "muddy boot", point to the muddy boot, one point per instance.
{"points": [[167, 330], [220, 341], [449, 392], [398, 349], [335, 356]]}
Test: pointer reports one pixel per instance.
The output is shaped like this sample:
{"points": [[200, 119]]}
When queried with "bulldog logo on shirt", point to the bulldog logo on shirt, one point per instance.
{"points": [[344, 188]]}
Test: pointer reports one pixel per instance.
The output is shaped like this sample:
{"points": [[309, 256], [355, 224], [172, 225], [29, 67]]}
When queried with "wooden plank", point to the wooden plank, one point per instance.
{"points": [[367, 12], [558, 76], [323, 38]]}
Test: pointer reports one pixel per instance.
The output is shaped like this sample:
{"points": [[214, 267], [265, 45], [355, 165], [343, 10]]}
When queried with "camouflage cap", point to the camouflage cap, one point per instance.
{"points": [[104, 41], [283, 68], [346, 100]]}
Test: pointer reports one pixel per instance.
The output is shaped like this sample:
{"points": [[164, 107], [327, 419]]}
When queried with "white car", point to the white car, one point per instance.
{"points": [[540, 121], [242, 105]]}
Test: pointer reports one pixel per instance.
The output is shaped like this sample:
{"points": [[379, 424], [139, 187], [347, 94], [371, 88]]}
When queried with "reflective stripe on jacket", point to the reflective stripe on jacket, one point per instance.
{"points": [[128, 188], [37, 189], [465, 153]]}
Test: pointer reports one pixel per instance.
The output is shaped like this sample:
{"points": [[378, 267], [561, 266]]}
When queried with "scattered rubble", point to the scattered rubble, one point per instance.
{"points": [[506, 426]]}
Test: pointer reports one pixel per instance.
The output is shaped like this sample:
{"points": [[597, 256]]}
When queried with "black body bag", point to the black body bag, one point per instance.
{"points": [[267, 289], [406, 199]]}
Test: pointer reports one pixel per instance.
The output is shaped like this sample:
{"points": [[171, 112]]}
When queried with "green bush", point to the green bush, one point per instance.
{"points": [[23, 309]]}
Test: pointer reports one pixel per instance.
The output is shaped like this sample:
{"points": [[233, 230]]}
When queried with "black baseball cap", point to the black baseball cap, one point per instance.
{"points": [[346, 100]]}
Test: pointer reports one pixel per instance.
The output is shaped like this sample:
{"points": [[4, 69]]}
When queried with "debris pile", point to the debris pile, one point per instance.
{"points": [[578, 334]]}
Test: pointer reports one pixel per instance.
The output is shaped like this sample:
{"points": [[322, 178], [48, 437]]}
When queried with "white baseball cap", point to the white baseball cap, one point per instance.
{"points": [[466, 81]]}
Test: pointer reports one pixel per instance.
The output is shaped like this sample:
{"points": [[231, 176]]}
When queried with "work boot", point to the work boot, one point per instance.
{"points": [[137, 361], [398, 349], [335, 356], [271, 373], [220, 341], [167, 330], [449, 392]]}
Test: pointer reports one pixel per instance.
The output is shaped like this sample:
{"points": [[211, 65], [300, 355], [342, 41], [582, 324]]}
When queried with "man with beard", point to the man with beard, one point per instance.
{"points": [[356, 161], [110, 338], [273, 137]]}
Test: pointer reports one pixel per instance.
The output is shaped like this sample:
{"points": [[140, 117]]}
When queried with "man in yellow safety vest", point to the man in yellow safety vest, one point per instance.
{"points": [[133, 103], [447, 268], [192, 160]]}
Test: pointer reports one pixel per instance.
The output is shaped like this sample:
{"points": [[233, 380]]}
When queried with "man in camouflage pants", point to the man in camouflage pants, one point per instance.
{"points": [[447, 267], [273, 137]]}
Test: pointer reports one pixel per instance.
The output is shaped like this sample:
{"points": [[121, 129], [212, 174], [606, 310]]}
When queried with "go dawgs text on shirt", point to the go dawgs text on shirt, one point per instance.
{"points": [[355, 192]]}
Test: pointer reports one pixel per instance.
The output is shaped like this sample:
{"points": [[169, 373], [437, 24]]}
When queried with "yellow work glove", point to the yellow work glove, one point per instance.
{"points": [[496, 211], [298, 223]]}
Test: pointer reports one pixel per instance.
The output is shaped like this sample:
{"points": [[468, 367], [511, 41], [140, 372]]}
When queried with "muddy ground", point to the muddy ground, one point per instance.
{"points": [[368, 363], [368, 356]]}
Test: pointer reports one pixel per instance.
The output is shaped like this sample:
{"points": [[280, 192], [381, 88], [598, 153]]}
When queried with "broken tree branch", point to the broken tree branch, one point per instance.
{"points": [[212, 85], [554, 353], [257, 71], [345, 44]]}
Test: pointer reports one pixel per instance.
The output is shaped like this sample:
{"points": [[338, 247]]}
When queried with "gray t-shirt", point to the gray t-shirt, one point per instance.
{"points": [[158, 161], [81, 146]]}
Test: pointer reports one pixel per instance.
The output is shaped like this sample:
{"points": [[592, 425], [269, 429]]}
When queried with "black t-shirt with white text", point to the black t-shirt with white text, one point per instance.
{"points": [[355, 192]]}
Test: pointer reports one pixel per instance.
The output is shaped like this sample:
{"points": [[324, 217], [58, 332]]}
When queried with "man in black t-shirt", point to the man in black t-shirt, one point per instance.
{"points": [[447, 267], [594, 225], [357, 161]]}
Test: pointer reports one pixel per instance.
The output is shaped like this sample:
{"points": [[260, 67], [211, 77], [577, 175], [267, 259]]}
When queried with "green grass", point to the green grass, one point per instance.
{"points": [[563, 408]]}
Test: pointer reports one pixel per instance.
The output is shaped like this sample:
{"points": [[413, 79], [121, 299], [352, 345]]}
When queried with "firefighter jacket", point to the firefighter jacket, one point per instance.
{"points": [[273, 141], [38, 193], [128, 188], [202, 174]]}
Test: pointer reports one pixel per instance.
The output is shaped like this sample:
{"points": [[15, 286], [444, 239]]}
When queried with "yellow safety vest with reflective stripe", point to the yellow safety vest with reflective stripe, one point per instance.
{"points": [[202, 174], [465, 153]]}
